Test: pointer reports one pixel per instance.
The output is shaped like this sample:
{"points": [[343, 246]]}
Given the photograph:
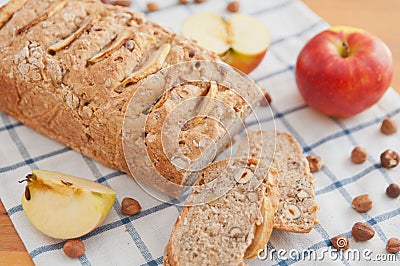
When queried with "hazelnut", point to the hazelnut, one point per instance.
{"points": [[302, 194], [183, 1], [388, 126], [393, 245], [266, 100], [340, 243], [293, 212], [293, 165], [358, 155], [362, 203], [233, 6], [130, 45], [130, 206], [362, 231], [393, 190], [245, 177], [152, 6], [74, 248], [315, 162], [252, 196], [389, 159], [235, 232], [199, 1]]}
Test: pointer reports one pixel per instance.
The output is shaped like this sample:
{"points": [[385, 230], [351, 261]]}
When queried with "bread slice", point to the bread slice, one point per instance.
{"points": [[226, 229], [297, 210]]}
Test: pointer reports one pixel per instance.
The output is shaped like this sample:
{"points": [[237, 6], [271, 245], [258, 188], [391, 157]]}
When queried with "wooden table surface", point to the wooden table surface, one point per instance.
{"points": [[381, 18]]}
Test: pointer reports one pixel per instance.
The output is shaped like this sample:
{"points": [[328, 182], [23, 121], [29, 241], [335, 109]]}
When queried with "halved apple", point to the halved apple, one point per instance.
{"points": [[240, 41], [64, 206]]}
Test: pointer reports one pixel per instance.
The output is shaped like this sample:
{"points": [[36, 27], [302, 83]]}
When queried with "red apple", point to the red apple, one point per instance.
{"points": [[343, 71]]}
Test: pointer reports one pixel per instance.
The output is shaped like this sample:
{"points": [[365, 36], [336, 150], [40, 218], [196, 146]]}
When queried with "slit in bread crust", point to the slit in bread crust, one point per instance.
{"points": [[43, 16], [151, 66], [121, 38], [207, 103], [8, 10], [86, 24]]}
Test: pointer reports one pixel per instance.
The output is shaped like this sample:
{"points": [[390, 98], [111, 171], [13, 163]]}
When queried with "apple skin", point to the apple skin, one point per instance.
{"points": [[340, 84], [63, 206], [243, 62], [241, 41]]}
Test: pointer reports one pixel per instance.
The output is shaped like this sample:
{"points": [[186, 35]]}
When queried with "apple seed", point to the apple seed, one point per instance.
{"points": [[27, 193], [66, 183]]}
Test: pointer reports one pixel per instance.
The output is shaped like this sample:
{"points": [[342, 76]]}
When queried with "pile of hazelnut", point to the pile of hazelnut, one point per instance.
{"points": [[363, 203]]}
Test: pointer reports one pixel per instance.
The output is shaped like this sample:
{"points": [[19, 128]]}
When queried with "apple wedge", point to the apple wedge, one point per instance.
{"points": [[64, 206], [240, 41], [263, 231]]}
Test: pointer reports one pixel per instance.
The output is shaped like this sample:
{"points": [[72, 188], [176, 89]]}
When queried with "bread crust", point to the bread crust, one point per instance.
{"points": [[65, 95], [70, 69]]}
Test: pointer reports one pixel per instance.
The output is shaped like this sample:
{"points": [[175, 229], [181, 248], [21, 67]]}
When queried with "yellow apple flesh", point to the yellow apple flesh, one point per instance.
{"points": [[64, 206], [240, 41]]}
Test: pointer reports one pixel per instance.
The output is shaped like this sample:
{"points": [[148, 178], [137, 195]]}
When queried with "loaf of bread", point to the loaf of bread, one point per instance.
{"points": [[297, 209], [230, 226], [70, 69]]}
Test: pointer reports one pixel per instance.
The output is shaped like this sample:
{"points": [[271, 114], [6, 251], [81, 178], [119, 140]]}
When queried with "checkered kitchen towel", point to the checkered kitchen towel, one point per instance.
{"points": [[140, 240]]}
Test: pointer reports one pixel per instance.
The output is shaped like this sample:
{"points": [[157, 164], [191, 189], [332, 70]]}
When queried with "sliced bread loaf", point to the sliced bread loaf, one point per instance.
{"points": [[297, 210], [229, 228]]}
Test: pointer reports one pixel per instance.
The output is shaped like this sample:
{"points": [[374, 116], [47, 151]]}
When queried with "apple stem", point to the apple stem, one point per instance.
{"points": [[28, 178], [346, 49]]}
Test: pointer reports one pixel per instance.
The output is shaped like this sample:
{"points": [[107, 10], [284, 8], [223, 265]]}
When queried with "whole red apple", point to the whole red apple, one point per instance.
{"points": [[343, 70]]}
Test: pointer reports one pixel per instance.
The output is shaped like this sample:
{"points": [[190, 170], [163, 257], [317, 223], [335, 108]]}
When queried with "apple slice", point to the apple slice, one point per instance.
{"points": [[241, 41], [263, 231], [64, 206]]}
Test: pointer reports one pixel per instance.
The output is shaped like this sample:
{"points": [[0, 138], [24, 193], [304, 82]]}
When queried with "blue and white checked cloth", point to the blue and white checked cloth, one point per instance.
{"points": [[140, 240]]}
